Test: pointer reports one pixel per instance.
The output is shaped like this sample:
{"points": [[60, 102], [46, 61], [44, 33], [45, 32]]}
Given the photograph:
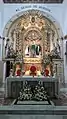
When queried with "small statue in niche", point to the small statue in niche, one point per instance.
{"points": [[54, 73], [58, 47], [33, 49], [38, 49], [11, 72], [27, 49], [11, 53], [55, 53], [7, 47], [8, 52]]}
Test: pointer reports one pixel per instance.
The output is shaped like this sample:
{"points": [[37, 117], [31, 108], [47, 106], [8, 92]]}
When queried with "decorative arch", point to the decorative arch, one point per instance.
{"points": [[47, 22], [46, 15], [34, 20]]}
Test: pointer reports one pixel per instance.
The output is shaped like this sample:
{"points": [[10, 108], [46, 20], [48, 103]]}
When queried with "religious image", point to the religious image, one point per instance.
{"points": [[33, 49]]}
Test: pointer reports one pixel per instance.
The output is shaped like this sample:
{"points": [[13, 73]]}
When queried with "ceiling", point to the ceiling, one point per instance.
{"points": [[33, 1]]}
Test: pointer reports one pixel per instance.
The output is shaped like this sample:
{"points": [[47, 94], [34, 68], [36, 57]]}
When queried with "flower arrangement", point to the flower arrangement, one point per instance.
{"points": [[33, 70], [17, 68], [46, 72]]}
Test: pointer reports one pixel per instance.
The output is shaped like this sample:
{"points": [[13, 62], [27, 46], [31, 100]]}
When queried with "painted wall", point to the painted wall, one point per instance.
{"points": [[58, 11]]}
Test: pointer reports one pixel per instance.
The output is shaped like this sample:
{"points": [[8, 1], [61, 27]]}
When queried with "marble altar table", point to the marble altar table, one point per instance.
{"points": [[14, 84]]}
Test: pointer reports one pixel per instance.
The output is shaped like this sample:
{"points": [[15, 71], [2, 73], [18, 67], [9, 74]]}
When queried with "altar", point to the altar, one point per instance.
{"points": [[15, 84]]}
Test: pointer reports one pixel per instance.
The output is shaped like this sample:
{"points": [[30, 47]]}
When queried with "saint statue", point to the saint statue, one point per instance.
{"points": [[27, 49], [38, 49], [33, 49]]}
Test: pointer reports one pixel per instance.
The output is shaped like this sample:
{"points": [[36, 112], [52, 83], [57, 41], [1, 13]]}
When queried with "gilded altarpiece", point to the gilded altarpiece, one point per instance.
{"points": [[33, 39]]}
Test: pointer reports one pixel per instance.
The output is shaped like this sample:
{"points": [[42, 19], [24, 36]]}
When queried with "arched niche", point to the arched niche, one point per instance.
{"points": [[24, 25], [51, 28]]}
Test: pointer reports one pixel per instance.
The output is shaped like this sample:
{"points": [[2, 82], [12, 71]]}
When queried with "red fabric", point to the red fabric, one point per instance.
{"points": [[46, 72], [33, 69], [18, 73]]}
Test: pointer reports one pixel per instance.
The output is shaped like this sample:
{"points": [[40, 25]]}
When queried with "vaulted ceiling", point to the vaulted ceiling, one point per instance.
{"points": [[33, 1]]}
